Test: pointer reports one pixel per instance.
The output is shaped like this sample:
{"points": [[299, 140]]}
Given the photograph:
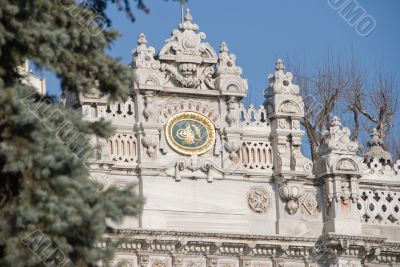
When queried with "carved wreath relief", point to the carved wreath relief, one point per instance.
{"points": [[190, 133], [258, 199]]}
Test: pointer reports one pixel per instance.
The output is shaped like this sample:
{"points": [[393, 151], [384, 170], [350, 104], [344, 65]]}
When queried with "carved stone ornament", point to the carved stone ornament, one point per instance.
{"points": [[148, 111], [291, 193], [258, 199], [143, 261], [232, 116], [337, 139], [150, 142], [309, 203], [227, 62], [346, 165], [144, 56], [296, 125], [233, 148], [187, 61], [289, 107], [145, 66], [282, 123], [190, 133], [280, 82], [346, 194], [377, 151], [193, 164]]}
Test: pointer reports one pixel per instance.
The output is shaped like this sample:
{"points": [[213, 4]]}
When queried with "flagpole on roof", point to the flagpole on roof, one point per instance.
{"points": [[182, 3]]}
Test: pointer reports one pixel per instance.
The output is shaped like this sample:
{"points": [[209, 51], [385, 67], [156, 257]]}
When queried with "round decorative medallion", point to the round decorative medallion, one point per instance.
{"points": [[190, 133], [258, 199]]}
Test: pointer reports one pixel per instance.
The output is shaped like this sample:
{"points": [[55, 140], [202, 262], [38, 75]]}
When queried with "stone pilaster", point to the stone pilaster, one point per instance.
{"points": [[285, 109], [339, 169]]}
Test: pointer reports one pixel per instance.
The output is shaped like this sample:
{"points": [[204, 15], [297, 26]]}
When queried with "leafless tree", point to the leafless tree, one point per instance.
{"points": [[326, 90], [340, 86], [377, 103]]}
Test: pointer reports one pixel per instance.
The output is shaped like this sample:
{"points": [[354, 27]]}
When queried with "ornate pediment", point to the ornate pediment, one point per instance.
{"points": [[186, 61]]}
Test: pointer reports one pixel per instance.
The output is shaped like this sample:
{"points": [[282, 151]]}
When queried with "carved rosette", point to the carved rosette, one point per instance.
{"points": [[258, 199]]}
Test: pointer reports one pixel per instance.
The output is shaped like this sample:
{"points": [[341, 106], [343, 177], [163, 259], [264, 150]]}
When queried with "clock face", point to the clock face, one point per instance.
{"points": [[190, 133]]}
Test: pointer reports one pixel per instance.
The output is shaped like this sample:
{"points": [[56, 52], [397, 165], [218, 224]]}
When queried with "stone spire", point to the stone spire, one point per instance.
{"points": [[377, 151]]}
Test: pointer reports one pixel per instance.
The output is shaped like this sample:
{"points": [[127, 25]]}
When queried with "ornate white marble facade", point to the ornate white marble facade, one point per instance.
{"points": [[252, 199]]}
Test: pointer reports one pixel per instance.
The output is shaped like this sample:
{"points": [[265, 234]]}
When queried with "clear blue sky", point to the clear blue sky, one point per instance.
{"points": [[261, 31]]}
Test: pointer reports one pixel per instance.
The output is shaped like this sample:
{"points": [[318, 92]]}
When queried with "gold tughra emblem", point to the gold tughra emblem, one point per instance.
{"points": [[189, 136], [190, 133]]}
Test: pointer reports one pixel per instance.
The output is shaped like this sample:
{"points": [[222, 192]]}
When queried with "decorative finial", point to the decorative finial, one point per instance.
{"points": [[279, 65], [335, 121], [377, 150], [223, 47], [188, 16], [187, 23], [376, 139], [142, 39]]}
